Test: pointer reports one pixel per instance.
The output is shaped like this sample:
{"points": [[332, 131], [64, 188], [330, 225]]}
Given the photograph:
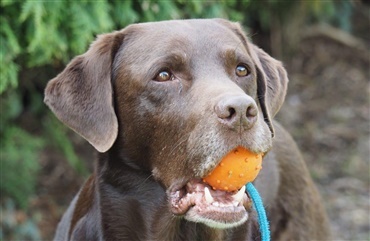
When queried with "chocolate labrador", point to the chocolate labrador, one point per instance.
{"points": [[162, 103]]}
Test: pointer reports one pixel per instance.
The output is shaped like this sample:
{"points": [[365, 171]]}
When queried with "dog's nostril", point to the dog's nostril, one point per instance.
{"points": [[232, 112], [251, 111]]}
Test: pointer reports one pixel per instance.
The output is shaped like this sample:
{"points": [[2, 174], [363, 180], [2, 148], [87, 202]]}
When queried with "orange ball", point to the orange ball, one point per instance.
{"points": [[236, 169]]}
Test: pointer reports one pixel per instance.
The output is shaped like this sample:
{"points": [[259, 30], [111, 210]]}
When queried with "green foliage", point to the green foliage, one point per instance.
{"points": [[11, 102], [19, 164], [53, 28], [9, 49], [19, 150]]}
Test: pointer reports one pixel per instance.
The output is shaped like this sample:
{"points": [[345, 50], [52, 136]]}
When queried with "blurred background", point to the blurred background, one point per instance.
{"points": [[324, 46]]}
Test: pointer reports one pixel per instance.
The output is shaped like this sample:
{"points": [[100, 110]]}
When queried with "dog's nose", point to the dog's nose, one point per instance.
{"points": [[237, 111]]}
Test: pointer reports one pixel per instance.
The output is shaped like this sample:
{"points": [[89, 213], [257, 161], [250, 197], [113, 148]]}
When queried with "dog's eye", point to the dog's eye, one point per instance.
{"points": [[163, 76], [241, 71]]}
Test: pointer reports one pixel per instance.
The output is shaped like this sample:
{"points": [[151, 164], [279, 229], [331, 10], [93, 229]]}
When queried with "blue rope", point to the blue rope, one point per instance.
{"points": [[262, 218]]}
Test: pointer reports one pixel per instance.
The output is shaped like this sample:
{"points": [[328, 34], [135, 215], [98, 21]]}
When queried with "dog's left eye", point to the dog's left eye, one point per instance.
{"points": [[163, 76], [241, 71]]}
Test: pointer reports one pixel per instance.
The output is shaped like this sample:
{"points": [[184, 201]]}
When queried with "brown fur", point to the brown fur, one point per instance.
{"points": [[155, 136]]}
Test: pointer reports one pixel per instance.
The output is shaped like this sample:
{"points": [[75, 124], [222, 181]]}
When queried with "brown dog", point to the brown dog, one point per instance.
{"points": [[163, 103]]}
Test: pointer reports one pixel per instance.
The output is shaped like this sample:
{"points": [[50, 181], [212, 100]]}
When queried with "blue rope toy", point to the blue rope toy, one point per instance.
{"points": [[261, 213]]}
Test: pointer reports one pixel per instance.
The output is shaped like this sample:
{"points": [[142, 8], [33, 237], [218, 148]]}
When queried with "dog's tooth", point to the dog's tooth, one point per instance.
{"points": [[216, 204], [208, 195], [239, 196]]}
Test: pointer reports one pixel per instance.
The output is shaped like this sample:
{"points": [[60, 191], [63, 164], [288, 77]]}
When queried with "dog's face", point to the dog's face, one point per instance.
{"points": [[174, 97]]}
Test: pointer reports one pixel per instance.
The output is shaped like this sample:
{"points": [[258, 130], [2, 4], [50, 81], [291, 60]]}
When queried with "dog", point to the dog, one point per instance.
{"points": [[162, 103]]}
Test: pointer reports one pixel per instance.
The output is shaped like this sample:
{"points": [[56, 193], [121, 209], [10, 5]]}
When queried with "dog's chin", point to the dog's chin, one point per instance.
{"points": [[218, 217], [198, 202]]}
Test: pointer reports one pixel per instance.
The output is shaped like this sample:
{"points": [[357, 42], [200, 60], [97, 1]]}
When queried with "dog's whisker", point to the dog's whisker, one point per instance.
{"points": [[179, 143], [142, 184]]}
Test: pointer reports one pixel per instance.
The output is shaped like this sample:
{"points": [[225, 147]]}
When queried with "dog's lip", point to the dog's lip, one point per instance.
{"points": [[196, 186], [198, 202]]}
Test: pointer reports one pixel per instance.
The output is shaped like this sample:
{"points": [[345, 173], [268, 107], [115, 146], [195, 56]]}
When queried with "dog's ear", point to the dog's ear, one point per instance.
{"points": [[82, 97], [272, 83]]}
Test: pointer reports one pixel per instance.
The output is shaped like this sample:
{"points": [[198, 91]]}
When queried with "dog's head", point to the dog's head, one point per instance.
{"points": [[174, 97]]}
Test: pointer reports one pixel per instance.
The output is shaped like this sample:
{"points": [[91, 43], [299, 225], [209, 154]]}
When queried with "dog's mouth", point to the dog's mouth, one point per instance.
{"points": [[198, 202]]}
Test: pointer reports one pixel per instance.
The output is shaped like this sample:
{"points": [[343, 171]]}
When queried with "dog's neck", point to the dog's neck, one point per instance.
{"points": [[132, 197]]}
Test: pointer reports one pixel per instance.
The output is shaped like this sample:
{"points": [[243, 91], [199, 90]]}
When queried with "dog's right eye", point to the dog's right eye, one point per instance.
{"points": [[162, 76]]}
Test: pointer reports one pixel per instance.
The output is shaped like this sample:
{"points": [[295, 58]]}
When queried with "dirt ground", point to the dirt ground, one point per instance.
{"points": [[326, 111]]}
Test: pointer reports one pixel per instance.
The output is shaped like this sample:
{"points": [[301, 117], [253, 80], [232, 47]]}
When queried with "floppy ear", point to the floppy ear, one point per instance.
{"points": [[82, 96], [272, 83]]}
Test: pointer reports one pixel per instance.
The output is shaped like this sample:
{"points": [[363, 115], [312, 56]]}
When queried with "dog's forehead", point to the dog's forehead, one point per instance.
{"points": [[185, 27], [198, 33], [193, 41]]}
